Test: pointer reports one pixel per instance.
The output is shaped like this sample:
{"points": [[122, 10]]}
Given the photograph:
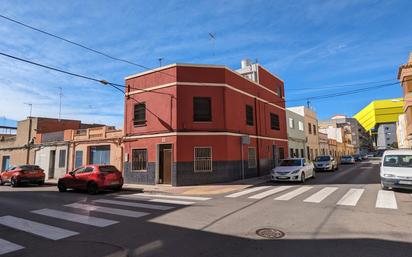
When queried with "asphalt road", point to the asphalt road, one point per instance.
{"points": [[342, 213]]}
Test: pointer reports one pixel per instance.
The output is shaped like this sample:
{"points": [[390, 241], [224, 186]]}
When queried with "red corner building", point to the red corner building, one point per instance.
{"points": [[189, 124]]}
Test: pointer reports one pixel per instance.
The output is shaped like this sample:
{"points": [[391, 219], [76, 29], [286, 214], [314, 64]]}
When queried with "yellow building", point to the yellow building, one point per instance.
{"points": [[379, 119]]}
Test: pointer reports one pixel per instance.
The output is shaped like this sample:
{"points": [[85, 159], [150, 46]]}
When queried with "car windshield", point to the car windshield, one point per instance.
{"points": [[402, 161], [291, 163], [322, 159], [346, 157], [108, 169]]}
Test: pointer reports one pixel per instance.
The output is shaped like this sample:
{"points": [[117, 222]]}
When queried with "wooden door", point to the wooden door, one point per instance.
{"points": [[167, 166]]}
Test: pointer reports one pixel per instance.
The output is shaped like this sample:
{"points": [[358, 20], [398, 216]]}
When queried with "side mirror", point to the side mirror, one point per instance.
{"points": [[71, 173]]}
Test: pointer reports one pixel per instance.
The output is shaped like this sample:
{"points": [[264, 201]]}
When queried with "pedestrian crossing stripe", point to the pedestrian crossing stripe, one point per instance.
{"points": [[8, 247], [35, 228], [179, 197], [270, 192], [247, 191], [168, 201], [73, 217], [133, 204], [386, 200], [293, 194], [351, 197], [114, 211], [320, 195]]}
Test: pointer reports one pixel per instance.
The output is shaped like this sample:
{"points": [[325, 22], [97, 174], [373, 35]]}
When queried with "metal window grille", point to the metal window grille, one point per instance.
{"points": [[139, 114], [249, 115], [202, 109], [62, 158], [274, 121], [139, 159], [252, 158], [203, 159]]}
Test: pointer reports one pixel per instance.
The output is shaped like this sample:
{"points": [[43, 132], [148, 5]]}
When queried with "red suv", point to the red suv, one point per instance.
{"points": [[92, 178], [28, 174]]}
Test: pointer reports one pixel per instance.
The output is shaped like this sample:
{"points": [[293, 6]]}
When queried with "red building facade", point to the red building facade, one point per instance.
{"points": [[197, 124]]}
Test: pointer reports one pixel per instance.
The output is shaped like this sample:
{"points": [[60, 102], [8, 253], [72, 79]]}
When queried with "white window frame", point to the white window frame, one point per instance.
{"points": [[248, 159], [301, 126], [210, 158], [291, 123]]}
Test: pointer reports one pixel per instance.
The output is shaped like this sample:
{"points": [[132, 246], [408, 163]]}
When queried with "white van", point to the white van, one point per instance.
{"points": [[396, 169]]}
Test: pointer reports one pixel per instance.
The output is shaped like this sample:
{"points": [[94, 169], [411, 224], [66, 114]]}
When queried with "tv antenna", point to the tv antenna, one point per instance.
{"points": [[212, 38]]}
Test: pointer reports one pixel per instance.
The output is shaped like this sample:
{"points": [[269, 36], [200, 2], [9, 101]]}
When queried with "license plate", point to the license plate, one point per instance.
{"points": [[283, 177], [403, 182], [114, 183]]}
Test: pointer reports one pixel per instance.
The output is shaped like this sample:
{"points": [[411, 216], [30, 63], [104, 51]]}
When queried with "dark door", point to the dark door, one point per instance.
{"points": [[165, 164], [52, 163], [5, 163]]}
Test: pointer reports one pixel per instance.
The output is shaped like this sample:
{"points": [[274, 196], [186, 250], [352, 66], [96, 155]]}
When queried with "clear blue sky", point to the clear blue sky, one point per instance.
{"points": [[306, 43]]}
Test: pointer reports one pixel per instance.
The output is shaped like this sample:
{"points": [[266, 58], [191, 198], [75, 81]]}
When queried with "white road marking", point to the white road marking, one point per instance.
{"points": [[140, 205], [386, 199], [8, 247], [247, 191], [73, 217], [294, 193], [193, 198], [270, 192], [321, 195], [171, 201], [115, 211], [39, 229], [351, 198]]}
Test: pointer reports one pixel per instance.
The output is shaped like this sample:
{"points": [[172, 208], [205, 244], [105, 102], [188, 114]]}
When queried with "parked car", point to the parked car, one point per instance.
{"points": [[396, 169], [22, 174], [347, 159], [325, 162], [364, 157], [92, 178], [293, 169], [357, 158]]}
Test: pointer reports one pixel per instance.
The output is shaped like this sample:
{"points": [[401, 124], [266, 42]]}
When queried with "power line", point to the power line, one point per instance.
{"points": [[81, 45], [344, 85], [104, 82]]}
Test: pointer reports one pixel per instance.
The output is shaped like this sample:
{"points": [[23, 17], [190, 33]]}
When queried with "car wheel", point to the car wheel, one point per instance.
{"points": [[384, 187], [62, 187], [337, 167], [118, 188], [302, 177], [1, 182], [92, 188], [41, 183], [314, 173], [13, 182]]}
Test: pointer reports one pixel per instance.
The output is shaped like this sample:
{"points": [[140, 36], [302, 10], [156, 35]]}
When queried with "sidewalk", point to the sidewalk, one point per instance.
{"points": [[210, 189]]}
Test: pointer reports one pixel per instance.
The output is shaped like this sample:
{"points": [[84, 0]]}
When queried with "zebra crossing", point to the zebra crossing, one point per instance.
{"points": [[316, 195], [139, 205]]}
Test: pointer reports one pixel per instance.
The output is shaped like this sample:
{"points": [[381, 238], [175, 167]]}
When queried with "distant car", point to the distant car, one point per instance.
{"points": [[370, 155], [357, 158], [22, 174], [347, 159], [396, 169], [364, 157], [325, 162], [92, 178], [293, 169]]}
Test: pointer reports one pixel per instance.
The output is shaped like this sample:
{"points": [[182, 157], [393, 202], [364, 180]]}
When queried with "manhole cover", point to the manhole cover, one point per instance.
{"points": [[270, 233]]}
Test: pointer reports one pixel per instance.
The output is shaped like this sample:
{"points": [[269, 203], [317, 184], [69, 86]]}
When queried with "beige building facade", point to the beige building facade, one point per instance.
{"points": [[405, 77], [311, 130]]}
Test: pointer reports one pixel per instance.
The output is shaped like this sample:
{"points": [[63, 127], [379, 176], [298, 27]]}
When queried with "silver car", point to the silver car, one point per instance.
{"points": [[325, 163]]}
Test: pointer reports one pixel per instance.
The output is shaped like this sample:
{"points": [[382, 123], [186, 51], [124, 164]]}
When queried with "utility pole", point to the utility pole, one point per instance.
{"points": [[308, 103], [29, 134], [160, 61], [60, 102]]}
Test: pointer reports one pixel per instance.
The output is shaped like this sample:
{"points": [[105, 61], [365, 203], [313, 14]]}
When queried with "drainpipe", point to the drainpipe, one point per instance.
{"points": [[257, 139], [28, 142]]}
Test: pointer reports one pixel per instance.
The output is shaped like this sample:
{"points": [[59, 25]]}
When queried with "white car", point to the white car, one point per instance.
{"points": [[396, 169], [293, 169]]}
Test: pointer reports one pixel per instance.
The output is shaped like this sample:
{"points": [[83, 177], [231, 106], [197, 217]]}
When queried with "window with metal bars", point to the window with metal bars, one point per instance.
{"points": [[139, 159], [203, 159], [139, 118], [251, 156]]}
